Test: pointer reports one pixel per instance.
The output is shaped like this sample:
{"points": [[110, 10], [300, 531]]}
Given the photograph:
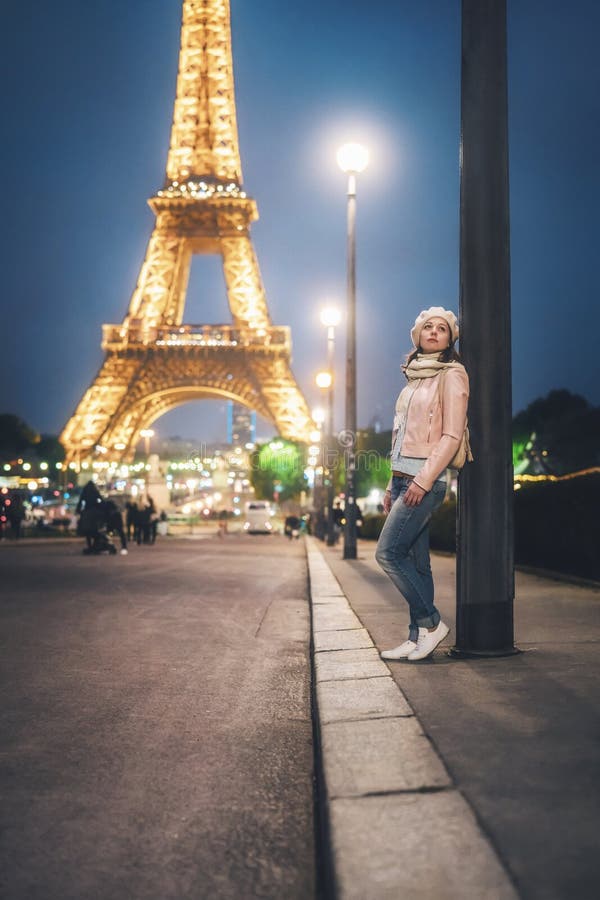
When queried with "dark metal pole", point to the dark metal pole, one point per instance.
{"points": [[350, 435], [330, 462], [485, 569]]}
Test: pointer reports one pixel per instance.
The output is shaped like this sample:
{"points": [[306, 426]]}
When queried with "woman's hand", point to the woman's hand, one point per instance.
{"points": [[387, 502], [414, 494]]}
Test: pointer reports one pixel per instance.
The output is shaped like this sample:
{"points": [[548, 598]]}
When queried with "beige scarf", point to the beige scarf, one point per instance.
{"points": [[426, 365]]}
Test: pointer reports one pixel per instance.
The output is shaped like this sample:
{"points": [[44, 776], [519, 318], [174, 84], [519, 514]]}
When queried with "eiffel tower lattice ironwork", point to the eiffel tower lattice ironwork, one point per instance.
{"points": [[153, 361]]}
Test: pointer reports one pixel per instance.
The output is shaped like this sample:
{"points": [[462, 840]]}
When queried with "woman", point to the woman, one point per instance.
{"points": [[430, 421]]}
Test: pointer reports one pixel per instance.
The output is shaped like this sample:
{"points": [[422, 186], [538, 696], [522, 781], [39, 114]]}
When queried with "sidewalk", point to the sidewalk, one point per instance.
{"points": [[457, 778]]}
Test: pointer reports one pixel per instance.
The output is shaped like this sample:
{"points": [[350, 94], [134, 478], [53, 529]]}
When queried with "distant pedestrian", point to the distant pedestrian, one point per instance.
{"points": [[89, 509], [142, 523], [338, 521], [223, 524], [429, 428], [153, 521], [114, 523], [291, 526], [16, 513], [130, 517], [139, 520]]}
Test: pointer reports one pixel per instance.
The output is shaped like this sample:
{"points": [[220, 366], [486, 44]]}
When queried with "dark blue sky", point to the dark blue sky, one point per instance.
{"points": [[87, 96]]}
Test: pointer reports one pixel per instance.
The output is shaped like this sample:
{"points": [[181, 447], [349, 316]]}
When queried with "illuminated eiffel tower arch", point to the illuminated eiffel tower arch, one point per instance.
{"points": [[154, 362]]}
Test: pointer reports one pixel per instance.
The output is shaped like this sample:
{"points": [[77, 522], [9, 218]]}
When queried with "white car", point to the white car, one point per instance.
{"points": [[258, 515]]}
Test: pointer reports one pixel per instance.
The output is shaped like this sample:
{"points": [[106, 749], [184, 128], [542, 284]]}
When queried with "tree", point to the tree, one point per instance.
{"points": [[49, 449], [277, 470], [556, 434], [557, 406], [373, 468], [16, 437]]}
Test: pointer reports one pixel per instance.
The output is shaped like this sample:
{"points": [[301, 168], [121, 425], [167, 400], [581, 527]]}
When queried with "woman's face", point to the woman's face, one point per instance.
{"points": [[435, 335]]}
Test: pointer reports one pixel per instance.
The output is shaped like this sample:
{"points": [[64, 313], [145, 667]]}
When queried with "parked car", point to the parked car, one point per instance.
{"points": [[257, 517]]}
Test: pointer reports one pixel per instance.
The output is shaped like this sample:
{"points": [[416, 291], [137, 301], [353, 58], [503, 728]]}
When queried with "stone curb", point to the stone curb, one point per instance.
{"points": [[397, 824]]}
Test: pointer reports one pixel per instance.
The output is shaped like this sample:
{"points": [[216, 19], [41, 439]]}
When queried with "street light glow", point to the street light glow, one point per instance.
{"points": [[318, 415], [353, 158], [323, 379], [330, 317]]}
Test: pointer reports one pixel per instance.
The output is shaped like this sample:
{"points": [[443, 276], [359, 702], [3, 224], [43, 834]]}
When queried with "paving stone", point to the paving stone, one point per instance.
{"points": [[336, 665], [325, 587], [330, 600], [353, 639], [330, 591], [378, 756], [423, 846], [361, 698], [327, 619]]}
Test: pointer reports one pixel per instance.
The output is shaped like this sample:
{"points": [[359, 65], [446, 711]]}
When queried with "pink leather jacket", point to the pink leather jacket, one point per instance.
{"points": [[434, 430]]}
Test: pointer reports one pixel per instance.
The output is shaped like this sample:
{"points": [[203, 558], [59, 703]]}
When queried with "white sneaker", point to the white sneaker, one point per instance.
{"points": [[123, 552], [428, 641], [400, 652]]}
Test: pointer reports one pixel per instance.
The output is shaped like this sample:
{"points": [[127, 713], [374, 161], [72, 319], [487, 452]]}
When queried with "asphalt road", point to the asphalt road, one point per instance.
{"points": [[155, 722]]}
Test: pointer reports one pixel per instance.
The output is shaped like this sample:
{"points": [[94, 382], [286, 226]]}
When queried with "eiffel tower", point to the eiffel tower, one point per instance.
{"points": [[153, 361]]}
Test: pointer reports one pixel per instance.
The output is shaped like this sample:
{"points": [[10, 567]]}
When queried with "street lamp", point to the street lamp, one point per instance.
{"points": [[330, 318], [324, 379], [147, 433], [319, 417], [352, 159]]}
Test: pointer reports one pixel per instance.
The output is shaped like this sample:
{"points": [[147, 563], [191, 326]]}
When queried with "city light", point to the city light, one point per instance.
{"points": [[324, 379], [330, 317], [353, 158]]}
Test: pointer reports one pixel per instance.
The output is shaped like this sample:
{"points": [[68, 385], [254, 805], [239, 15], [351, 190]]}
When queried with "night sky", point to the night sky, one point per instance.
{"points": [[87, 95]]}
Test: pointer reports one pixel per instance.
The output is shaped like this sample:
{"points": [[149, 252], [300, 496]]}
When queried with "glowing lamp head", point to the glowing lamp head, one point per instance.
{"points": [[323, 379], [330, 317], [353, 158]]}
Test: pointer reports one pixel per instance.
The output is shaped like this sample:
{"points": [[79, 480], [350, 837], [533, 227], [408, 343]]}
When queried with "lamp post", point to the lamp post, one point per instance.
{"points": [[324, 380], [485, 567], [318, 416], [352, 159], [330, 317]]}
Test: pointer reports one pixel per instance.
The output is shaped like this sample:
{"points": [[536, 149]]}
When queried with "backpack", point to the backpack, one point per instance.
{"points": [[463, 454]]}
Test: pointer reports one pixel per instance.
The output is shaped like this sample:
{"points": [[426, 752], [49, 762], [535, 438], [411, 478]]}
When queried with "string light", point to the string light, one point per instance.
{"points": [[521, 479], [201, 190]]}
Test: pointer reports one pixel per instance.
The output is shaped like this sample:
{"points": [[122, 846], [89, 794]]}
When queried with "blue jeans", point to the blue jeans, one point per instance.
{"points": [[403, 552]]}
